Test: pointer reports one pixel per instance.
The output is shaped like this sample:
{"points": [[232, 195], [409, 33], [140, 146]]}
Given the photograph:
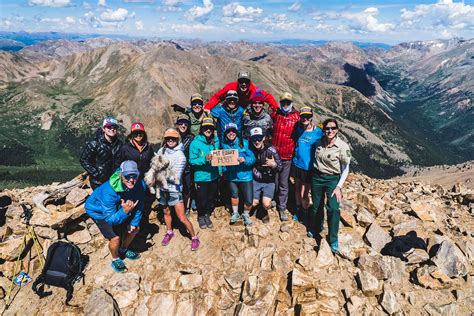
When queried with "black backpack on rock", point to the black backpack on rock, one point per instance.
{"points": [[63, 267]]}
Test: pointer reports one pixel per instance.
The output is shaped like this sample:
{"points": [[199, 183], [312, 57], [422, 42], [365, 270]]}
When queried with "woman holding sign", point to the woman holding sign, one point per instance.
{"points": [[239, 176], [205, 175]]}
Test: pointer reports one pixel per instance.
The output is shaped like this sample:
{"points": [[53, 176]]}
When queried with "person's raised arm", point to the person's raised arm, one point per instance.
{"points": [[218, 97]]}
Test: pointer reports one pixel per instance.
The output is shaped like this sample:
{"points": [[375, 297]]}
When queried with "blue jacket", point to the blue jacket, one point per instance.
{"points": [[306, 147], [225, 117], [198, 150], [105, 202], [242, 172]]}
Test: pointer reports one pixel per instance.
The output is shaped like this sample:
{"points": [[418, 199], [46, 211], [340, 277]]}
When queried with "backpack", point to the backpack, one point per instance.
{"points": [[63, 267]]}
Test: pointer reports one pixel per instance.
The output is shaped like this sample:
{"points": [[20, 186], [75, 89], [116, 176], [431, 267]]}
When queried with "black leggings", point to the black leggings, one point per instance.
{"points": [[206, 194], [244, 188]]}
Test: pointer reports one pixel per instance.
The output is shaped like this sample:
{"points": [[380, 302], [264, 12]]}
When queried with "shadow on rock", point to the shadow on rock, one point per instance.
{"points": [[402, 244]]}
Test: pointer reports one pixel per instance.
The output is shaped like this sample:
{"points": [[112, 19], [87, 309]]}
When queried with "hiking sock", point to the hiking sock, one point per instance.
{"points": [[235, 209], [122, 250]]}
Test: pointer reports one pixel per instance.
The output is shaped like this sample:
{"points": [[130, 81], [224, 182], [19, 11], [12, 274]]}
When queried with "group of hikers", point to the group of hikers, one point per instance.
{"points": [[271, 144]]}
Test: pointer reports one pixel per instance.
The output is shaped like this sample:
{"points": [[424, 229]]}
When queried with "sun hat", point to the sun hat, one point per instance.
{"points": [[171, 132]]}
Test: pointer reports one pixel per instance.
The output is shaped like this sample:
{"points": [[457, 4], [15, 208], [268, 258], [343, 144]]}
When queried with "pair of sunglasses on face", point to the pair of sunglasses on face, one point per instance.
{"points": [[257, 139], [111, 127], [131, 177], [330, 128]]}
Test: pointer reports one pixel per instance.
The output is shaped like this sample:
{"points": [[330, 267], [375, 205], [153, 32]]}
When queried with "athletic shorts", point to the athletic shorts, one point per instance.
{"points": [[170, 198], [301, 174], [111, 231], [262, 188], [244, 188]]}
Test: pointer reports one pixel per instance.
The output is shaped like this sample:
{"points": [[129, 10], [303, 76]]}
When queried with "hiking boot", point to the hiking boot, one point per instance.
{"points": [[166, 240], [202, 222], [295, 217], [195, 243], [129, 254], [283, 216], [235, 217], [119, 266], [266, 219], [246, 219], [208, 221]]}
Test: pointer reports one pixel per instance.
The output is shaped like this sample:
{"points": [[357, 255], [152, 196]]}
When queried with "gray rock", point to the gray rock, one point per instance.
{"points": [[369, 284], [81, 236], [325, 256], [46, 232], [444, 310], [416, 255], [405, 227], [190, 281], [162, 304], [364, 217], [375, 265], [235, 279], [101, 303], [124, 288], [450, 260], [377, 237], [349, 242], [77, 196], [389, 301]]}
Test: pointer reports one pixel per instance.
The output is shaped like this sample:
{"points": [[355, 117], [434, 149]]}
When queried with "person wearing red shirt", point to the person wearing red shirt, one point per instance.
{"points": [[285, 119], [245, 89]]}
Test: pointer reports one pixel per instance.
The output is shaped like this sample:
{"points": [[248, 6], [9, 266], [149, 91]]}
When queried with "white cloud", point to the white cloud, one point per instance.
{"points": [[70, 20], [296, 6], [139, 25], [441, 15], [118, 15], [359, 22], [170, 6], [171, 3], [199, 12], [50, 3], [279, 22], [5, 23], [236, 13], [102, 3], [191, 28]]}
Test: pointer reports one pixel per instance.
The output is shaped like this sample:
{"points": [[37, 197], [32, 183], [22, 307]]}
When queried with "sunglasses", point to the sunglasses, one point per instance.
{"points": [[182, 123], [244, 81], [257, 139], [131, 177], [306, 117], [257, 103], [197, 104], [285, 102], [330, 128], [172, 139], [231, 100], [110, 127], [136, 134], [206, 129]]}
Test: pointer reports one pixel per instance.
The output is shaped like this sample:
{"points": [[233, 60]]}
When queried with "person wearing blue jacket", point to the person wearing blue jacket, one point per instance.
{"points": [[307, 136], [239, 177], [116, 208], [228, 112], [205, 175]]}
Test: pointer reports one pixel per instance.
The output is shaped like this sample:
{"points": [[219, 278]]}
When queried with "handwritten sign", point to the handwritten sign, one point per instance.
{"points": [[224, 157]]}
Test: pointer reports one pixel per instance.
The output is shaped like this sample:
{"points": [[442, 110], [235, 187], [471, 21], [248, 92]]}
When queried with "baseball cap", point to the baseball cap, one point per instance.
{"points": [[232, 94], [196, 97], [129, 167], [286, 96], [207, 121], [256, 132], [243, 74], [230, 127], [306, 110], [137, 126], [171, 132], [183, 117], [109, 121]]}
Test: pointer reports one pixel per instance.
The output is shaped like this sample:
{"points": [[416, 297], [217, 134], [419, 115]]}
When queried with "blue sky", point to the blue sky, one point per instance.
{"points": [[382, 21]]}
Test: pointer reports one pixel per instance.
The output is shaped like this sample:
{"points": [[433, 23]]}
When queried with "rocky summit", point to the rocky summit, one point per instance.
{"points": [[405, 249]]}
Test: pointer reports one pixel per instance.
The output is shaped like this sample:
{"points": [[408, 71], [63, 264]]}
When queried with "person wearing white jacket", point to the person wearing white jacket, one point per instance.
{"points": [[173, 196]]}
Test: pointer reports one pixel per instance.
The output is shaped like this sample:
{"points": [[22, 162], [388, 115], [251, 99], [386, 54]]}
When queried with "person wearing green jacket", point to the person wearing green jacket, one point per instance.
{"points": [[205, 175], [195, 112], [239, 177]]}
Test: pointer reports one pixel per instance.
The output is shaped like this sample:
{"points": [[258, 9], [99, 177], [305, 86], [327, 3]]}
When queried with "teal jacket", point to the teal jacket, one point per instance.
{"points": [[198, 150], [242, 172]]}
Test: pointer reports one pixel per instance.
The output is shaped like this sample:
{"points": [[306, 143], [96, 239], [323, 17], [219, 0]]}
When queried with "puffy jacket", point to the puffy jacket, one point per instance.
{"points": [[250, 120], [100, 158], [225, 117], [128, 151], [105, 203], [283, 132], [198, 150], [178, 164], [263, 173], [243, 171], [244, 97], [306, 147]]}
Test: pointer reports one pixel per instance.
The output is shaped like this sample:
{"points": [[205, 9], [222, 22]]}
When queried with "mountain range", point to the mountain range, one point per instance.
{"points": [[408, 105]]}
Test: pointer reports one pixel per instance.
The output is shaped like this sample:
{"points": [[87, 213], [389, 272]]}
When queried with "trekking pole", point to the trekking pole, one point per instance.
{"points": [[15, 268]]}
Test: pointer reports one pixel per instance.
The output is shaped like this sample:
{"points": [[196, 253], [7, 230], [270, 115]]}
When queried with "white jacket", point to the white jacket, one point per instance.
{"points": [[177, 162]]}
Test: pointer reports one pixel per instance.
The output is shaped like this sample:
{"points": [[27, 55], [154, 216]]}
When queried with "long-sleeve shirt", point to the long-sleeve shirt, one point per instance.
{"points": [[178, 164]]}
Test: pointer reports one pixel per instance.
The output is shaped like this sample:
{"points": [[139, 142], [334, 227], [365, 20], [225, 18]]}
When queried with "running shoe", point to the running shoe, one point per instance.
{"points": [[166, 240], [195, 243], [246, 219], [202, 222], [208, 221], [119, 266], [235, 217]]}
